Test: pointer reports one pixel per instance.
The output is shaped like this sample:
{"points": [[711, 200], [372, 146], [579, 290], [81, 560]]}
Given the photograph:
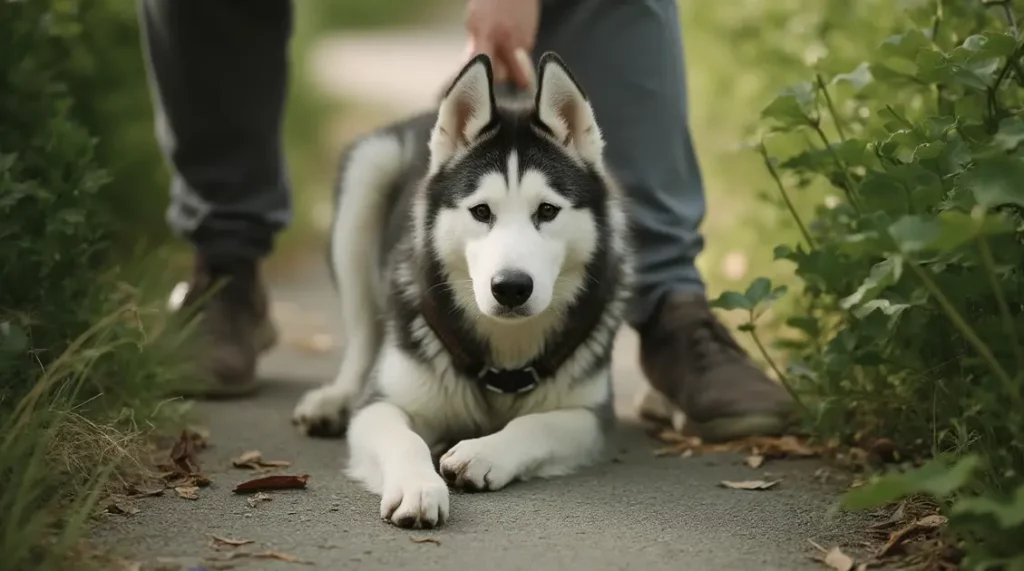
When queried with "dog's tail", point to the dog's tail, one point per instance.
{"points": [[371, 170]]}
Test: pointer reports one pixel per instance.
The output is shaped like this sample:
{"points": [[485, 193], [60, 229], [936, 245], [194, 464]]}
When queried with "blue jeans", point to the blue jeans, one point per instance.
{"points": [[219, 70]]}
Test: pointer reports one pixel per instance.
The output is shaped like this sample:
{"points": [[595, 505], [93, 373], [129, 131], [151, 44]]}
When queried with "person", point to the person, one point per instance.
{"points": [[218, 70]]}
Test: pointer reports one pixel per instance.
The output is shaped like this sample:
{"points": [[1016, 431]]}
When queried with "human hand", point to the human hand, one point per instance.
{"points": [[505, 30]]}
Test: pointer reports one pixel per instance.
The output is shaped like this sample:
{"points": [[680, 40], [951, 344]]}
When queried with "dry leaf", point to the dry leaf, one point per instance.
{"points": [[253, 460], [188, 481], [769, 448], [900, 536], [279, 557], [256, 499], [139, 493], [275, 463], [250, 459], [276, 555], [230, 542], [183, 454], [272, 483], [791, 446], [424, 540], [120, 506], [836, 559], [755, 460], [749, 484], [932, 522], [187, 492]]}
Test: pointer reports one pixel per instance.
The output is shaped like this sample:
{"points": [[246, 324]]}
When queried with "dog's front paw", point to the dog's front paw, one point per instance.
{"points": [[475, 465], [415, 501], [323, 412]]}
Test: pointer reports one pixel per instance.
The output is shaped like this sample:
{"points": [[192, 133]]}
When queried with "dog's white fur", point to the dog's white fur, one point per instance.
{"points": [[550, 431]]}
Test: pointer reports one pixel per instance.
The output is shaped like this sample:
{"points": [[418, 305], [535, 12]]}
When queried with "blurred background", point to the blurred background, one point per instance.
{"points": [[357, 64]]}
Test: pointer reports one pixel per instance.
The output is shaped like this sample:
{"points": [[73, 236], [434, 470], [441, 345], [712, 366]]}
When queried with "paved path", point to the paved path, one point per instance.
{"points": [[642, 512]]}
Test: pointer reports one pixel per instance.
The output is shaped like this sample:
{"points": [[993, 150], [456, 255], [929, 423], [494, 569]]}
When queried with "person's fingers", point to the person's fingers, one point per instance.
{"points": [[498, 65], [524, 65], [505, 55]]}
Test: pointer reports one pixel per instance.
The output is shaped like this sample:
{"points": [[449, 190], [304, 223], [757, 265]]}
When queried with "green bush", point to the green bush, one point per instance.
{"points": [[105, 71], [912, 292], [83, 356]]}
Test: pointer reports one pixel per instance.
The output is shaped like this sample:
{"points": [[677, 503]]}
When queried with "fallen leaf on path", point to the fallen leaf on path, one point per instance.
{"points": [[275, 463], [254, 500], [767, 448], [253, 460], [188, 481], [836, 559], [272, 483], [183, 469], [754, 460], [187, 492], [248, 459], [120, 506], [183, 454], [136, 492], [275, 555], [424, 540], [280, 557], [749, 484], [229, 542]]}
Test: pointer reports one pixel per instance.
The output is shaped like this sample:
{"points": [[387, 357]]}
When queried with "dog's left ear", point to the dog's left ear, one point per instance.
{"points": [[466, 110], [563, 108]]}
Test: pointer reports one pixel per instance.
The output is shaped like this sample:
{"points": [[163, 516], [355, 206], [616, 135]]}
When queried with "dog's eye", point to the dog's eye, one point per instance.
{"points": [[547, 212], [481, 212]]}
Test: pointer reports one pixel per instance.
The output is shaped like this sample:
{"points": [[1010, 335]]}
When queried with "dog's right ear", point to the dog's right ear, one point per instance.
{"points": [[467, 110]]}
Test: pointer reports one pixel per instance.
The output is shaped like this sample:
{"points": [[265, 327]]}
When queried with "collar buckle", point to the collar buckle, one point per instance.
{"points": [[509, 381]]}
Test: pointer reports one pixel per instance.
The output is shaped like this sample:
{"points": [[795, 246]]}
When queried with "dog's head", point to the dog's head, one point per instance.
{"points": [[516, 202]]}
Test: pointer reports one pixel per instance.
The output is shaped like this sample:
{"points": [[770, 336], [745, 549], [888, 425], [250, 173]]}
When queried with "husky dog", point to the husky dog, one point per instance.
{"points": [[482, 258]]}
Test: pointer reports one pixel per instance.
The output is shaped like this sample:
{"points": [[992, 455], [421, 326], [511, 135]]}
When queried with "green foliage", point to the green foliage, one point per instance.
{"points": [[82, 355], [106, 73], [912, 293]]}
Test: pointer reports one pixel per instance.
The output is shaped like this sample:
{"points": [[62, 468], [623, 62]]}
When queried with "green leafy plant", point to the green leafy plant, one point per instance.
{"points": [[84, 357], [911, 305]]}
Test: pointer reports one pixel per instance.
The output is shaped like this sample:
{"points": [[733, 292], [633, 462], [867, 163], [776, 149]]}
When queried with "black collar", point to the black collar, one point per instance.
{"points": [[504, 381]]}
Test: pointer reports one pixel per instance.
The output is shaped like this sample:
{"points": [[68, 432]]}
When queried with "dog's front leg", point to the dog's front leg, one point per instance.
{"points": [[393, 461], [541, 445]]}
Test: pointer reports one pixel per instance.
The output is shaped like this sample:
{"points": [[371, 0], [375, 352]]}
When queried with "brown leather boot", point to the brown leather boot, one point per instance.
{"points": [[690, 357], [234, 326]]}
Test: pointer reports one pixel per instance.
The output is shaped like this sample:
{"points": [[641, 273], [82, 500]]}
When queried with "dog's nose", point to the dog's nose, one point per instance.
{"points": [[512, 288]]}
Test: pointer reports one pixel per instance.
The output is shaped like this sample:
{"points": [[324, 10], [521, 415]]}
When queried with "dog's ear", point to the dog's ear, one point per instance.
{"points": [[466, 110], [562, 107]]}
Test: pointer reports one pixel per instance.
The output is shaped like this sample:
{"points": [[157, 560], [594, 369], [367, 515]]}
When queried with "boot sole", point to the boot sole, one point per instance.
{"points": [[737, 428]]}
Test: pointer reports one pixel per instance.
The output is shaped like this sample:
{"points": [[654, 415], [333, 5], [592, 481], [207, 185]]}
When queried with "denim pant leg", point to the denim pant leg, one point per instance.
{"points": [[628, 57], [218, 75]]}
